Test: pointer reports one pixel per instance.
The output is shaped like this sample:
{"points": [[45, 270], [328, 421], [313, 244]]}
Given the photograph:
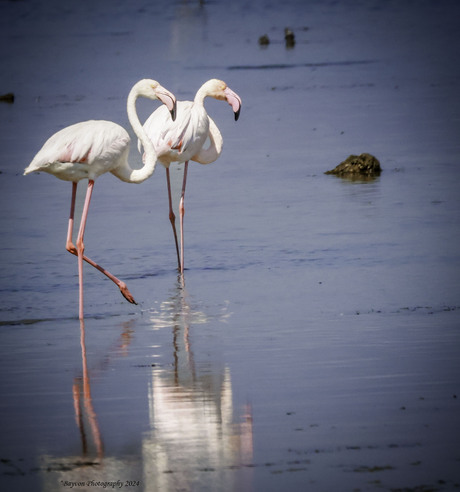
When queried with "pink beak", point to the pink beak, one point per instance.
{"points": [[168, 99], [234, 100]]}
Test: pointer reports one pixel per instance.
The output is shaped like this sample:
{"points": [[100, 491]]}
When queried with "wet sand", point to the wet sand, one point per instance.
{"points": [[315, 342]]}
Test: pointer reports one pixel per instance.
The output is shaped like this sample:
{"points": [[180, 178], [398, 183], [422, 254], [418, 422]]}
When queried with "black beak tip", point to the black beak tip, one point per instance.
{"points": [[237, 114], [173, 113]]}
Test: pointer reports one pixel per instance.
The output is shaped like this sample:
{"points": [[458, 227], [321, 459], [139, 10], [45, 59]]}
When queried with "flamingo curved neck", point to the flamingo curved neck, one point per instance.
{"points": [[210, 154], [200, 95], [125, 172]]}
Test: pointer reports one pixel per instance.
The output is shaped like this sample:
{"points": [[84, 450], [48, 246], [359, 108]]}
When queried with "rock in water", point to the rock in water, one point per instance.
{"points": [[264, 40], [365, 164], [8, 98], [289, 37]]}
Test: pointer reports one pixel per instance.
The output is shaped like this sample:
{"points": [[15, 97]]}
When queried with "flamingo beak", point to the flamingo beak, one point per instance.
{"points": [[168, 99], [234, 100]]}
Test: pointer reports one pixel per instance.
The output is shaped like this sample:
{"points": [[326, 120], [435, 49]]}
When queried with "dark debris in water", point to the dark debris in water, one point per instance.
{"points": [[372, 469], [18, 468], [275, 66], [264, 40], [411, 309], [32, 321], [296, 465], [428, 309], [11, 468], [289, 38], [420, 488], [7, 98], [64, 466]]}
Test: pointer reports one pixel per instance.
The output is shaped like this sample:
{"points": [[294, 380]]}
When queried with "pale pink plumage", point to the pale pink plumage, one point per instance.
{"points": [[91, 148], [83, 151], [185, 137]]}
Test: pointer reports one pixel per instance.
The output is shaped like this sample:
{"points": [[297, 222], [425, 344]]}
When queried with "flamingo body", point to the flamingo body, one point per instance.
{"points": [[183, 140], [88, 149], [83, 151]]}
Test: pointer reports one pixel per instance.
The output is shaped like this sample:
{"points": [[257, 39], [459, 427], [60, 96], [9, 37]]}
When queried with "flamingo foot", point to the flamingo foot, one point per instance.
{"points": [[126, 294]]}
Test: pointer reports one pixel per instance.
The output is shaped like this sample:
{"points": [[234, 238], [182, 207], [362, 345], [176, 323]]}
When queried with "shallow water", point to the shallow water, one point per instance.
{"points": [[315, 342]]}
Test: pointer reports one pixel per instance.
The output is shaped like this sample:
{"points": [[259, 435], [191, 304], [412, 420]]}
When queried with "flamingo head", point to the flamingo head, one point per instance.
{"points": [[219, 90], [151, 89]]}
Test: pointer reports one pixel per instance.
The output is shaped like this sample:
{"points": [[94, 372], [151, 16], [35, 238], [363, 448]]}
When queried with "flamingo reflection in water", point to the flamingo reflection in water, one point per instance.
{"points": [[92, 464], [195, 425], [186, 397], [81, 389]]}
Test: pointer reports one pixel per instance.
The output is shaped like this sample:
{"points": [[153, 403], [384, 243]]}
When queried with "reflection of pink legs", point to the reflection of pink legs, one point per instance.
{"points": [[247, 445], [74, 250], [79, 415], [181, 214], [87, 402], [87, 395], [172, 217]]}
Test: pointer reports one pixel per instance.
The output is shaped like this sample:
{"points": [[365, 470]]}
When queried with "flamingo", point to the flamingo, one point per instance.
{"points": [[185, 138], [88, 149]]}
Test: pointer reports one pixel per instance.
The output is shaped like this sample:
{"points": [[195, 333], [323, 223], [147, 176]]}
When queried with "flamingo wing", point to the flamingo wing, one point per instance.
{"points": [[184, 136], [87, 143], [213, 151]]}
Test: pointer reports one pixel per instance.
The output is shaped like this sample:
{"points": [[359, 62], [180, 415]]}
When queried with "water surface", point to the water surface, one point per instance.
{"points": [[314, 344]]}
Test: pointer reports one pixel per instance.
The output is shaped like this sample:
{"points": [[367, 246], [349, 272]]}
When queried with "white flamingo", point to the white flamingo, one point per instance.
{"points": [[185, 138], [91, 148]]}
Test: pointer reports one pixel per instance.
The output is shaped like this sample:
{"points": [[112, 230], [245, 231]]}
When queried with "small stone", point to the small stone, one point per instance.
{"points": [[289, 37], [264, 40], [8, 98]]}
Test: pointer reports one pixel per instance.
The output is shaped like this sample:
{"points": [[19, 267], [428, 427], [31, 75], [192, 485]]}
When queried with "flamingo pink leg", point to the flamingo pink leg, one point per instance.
{"points": [[172, 217], [80, 244], [72, 249], [69, 244], [181, 216]]}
